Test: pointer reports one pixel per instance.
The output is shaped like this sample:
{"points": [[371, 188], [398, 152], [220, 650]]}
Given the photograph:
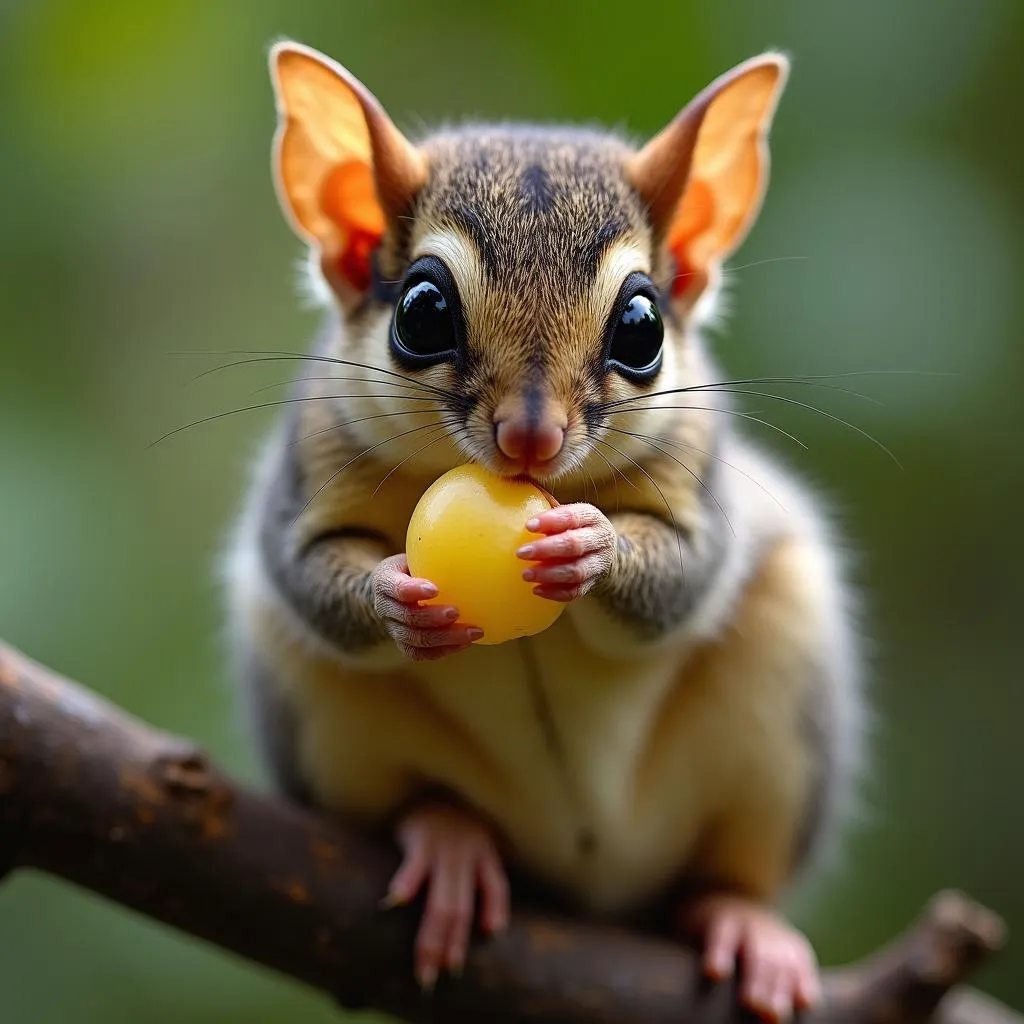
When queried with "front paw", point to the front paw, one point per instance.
{"points": [[578, 550], [421, 632]]}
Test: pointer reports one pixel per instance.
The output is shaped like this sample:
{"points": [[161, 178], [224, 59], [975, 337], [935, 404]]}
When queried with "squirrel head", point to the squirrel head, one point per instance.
{"points": [[526, 278]]}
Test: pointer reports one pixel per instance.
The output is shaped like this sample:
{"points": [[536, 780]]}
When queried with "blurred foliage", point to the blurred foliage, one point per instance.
{"points": [[137, 223]]}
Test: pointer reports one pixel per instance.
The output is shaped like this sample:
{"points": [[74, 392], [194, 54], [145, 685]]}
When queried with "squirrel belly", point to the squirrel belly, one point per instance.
{"points": [[721, 754]]}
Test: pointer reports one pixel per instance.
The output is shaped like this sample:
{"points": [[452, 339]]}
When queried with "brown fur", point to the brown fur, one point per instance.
{"points": [[681, 686]]}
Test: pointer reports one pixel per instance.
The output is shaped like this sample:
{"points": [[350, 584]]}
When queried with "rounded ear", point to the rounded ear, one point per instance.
{"points": [[704, 175], [342, 170]]}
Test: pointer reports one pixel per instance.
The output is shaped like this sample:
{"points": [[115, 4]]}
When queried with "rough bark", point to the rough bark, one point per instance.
{"points": [[90, 794]]}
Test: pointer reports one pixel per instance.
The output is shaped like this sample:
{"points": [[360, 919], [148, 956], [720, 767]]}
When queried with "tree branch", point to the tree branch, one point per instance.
{"points": [[93, 796]]}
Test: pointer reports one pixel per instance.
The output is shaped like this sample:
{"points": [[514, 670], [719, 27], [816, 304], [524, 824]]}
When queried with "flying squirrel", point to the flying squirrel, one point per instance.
{"points": [[530, 299]]}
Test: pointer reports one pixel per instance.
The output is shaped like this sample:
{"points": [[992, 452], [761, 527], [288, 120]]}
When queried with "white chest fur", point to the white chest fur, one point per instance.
{"points": [[568, 737]]}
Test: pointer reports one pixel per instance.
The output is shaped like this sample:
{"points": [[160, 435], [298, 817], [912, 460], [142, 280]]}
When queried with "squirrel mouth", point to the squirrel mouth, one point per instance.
{"points": [[527, 479], [527, 471]]}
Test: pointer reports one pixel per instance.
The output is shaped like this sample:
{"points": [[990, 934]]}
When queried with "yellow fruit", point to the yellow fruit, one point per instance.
{"points": [[463, 537]]}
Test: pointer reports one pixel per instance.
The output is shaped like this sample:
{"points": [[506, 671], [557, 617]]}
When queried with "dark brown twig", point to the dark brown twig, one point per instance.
{"points": [[96, 797]]}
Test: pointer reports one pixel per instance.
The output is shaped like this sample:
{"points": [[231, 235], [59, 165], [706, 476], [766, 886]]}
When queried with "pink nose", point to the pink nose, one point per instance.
{"points": [[529, 444]]}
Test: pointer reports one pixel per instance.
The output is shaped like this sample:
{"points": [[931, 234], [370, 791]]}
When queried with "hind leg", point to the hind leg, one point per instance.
{"points": [[775, 680], [744, 862], [451, 852], [448, 851], [777, 966]]}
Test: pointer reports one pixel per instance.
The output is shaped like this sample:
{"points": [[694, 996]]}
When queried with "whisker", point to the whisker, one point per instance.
{"points": [[616, 473], [305, 380], [710, 408], [274, 405], [576, 465], [366, 451], [876, 373], [722, 384], [769, 259], [811, 383], [473, 451], [361, 419], [593, 483], [422, 448], [696, 476], [686, 446], [821, 412], [654, 484], [779, 398], [810, 379], [270, 356]]}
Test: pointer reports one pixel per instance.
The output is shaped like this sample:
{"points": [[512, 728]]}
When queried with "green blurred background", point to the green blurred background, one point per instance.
{"points": [[137, 222]]}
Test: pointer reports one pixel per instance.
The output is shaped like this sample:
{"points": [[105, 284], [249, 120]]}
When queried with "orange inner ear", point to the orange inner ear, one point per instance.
{"points": [[348, 198], [695, 216]]}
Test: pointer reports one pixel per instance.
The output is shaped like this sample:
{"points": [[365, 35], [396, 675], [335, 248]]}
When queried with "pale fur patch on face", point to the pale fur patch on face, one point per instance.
{"points": [[459, 254], [623, 258]]}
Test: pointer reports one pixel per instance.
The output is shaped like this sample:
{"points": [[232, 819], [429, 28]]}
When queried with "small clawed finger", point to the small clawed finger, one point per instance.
{"points": [[570, 544], [409, 589], [431, 653], [391, 579], [431, 616], [557, 592], [574, 572], [453, 636], [566, 517]]}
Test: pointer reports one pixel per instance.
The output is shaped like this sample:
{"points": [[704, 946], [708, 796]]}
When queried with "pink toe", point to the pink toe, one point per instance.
{"points": [[721, 948], [494, 895], [408, 879]]}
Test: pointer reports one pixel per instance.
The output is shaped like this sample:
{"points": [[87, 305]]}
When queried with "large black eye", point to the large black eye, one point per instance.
{"points": [[423, 321], [427, 326], [637, 335]]}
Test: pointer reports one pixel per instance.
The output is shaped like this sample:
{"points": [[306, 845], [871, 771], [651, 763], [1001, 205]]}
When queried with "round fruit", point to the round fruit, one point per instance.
{"points": [[463, 537]]}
